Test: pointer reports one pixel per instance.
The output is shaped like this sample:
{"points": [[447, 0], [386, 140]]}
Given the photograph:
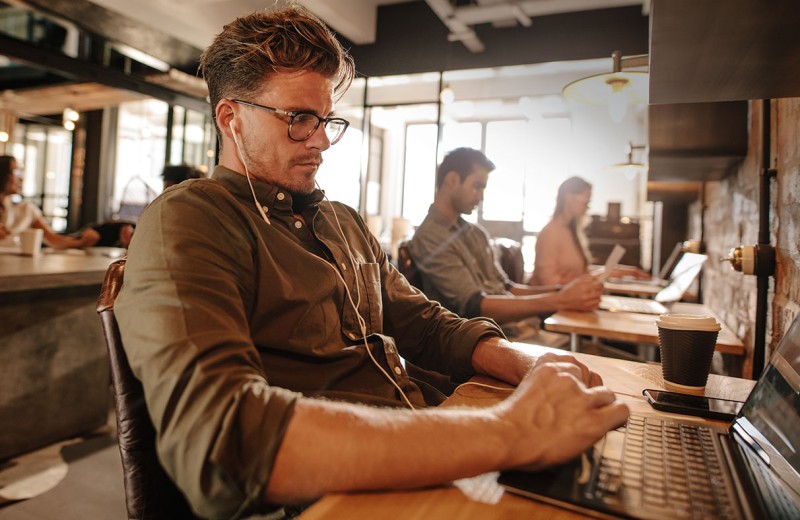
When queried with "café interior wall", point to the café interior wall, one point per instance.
{"points": [[731, 219]]}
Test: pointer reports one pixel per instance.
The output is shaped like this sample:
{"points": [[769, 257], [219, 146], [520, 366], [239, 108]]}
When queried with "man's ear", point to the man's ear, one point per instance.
{"points": [[225, 115], [452, 179]]}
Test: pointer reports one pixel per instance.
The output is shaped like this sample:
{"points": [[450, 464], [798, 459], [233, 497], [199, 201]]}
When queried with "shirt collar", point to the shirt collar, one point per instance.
{"points": [[443, 220], [277, 200]]}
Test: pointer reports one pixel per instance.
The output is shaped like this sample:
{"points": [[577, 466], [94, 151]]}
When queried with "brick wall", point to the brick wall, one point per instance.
{"points": [[731, 219]]}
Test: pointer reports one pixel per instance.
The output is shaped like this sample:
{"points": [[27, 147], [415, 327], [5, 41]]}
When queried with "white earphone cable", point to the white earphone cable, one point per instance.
{"points": [[361, 323]]}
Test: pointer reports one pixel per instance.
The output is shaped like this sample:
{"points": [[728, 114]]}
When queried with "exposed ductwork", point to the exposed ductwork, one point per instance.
{"points": [[509, 13]]}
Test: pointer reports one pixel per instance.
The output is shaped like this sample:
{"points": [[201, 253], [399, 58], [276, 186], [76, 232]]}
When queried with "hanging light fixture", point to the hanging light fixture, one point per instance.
{"points": [[630, 168], [69, 117], [617, 89]]}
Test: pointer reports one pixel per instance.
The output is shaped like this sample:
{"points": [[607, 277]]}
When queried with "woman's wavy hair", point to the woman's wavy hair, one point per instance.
{"points": [[577, 226], [251, 48], [6, 170]]}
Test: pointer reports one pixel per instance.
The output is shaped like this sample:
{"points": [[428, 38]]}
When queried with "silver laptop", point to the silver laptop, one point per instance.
{"points": [[681, 279], [663, 468], [664, 276]]}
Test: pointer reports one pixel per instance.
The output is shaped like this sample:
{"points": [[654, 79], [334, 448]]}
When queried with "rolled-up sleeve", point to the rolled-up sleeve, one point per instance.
{"points": [[426, 333], [183, 316]]}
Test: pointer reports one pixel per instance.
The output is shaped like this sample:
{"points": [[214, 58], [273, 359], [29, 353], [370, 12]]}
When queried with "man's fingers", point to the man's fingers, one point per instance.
{"points": [[611, 416], [601, 396]]}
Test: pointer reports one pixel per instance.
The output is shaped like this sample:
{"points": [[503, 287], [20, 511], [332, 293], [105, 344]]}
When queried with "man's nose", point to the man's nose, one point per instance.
{"points": [[319, 139]]}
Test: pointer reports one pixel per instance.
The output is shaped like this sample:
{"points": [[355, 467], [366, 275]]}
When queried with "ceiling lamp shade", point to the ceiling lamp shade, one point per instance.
{"points": [[617, 89], [631, 167]]}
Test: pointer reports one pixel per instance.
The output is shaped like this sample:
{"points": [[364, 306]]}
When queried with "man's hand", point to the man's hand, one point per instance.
{"points": [[554, 417], [584, 373], [581, 294]]}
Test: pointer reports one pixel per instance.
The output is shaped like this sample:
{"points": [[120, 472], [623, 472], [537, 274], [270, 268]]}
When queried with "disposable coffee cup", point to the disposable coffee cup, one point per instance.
{"points": [[687, 343], [31, 241]]}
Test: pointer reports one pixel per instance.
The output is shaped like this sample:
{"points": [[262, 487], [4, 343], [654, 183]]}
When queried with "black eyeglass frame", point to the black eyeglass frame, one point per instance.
{"points": [[292, 114]]}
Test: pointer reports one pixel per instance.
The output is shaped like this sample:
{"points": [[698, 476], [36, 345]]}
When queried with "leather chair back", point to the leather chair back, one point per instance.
{"points": [[511, 259], [149, 492], [407, 267]]}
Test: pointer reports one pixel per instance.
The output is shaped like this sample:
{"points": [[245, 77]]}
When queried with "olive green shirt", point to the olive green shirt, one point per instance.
{"points": [[228, 320], [457, 263]]}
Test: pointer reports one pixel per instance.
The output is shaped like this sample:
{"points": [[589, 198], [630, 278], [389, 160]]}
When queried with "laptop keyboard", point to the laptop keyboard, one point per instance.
{"points": [[666, 470]]}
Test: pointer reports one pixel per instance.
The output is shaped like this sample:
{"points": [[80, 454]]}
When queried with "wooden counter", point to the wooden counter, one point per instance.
{"points": [[50, 269], [54, 378]]}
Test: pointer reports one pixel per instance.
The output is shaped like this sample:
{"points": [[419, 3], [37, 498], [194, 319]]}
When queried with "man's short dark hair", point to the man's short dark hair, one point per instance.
{"points": [[462, 161], [252, 48], [177, 173]]}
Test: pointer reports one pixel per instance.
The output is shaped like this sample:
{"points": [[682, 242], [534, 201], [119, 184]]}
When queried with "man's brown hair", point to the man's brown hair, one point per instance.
{"points": [[252, 47]]}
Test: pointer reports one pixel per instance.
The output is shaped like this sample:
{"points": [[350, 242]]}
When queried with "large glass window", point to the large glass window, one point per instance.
{"points": [[195, 143], [419, 178], [46, 154], [548, 145], [340, 173], [506, 148], [141, 150], [178, 124]]}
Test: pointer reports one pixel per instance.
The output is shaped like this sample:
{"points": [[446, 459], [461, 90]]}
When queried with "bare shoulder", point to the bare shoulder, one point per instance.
{"points": [[553, 235]]}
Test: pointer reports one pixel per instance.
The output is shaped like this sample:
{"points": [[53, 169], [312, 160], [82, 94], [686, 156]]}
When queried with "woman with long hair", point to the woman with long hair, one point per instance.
{"points": [[17, 216], [562, 249]]}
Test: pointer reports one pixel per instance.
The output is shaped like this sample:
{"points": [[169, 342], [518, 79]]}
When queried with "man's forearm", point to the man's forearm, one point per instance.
{"points": [[497, 358], [505, 308], [331, 447]]}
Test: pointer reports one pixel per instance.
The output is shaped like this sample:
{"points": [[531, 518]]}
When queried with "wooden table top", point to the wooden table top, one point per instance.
{"points": [[53, 268], [633, 327], [481, 497]]}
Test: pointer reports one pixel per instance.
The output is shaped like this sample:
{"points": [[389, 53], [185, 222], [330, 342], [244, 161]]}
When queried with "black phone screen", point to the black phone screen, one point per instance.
{"points": [[693, 404]]}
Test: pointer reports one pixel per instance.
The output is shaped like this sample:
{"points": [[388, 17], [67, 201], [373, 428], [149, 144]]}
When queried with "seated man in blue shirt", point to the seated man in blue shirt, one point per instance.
{"points": [[457, 262]]}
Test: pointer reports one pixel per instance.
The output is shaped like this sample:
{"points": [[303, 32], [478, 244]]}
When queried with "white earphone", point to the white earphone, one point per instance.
{"points": [[247, 174]]}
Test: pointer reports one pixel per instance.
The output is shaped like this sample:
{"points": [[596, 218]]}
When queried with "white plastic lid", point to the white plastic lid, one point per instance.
{"points": [[688, 322]]}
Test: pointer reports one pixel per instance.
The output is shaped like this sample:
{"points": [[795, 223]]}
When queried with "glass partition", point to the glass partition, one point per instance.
{"points": [[45, 151], [141, 154]]}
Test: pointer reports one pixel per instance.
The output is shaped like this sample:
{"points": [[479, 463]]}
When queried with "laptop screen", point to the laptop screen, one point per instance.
{"points": [[773, 407], [682, 277]]}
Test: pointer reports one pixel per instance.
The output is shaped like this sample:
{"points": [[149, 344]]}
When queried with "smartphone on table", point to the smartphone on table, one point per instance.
{"points": [[700, 406]]}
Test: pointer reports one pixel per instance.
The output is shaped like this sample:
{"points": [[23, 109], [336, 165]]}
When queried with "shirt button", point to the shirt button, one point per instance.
{"points": [[344, 266], [397, 370], [281, 196], [298, 224], [265, 208]]}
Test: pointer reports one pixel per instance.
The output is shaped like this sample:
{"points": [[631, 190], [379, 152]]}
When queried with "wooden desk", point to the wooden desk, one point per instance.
{"points": [[632, 327], [481, 497]]}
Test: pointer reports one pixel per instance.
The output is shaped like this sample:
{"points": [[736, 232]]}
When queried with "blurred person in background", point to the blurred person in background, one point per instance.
{"points": [[177, 173], [562, 249], [17, 215]]}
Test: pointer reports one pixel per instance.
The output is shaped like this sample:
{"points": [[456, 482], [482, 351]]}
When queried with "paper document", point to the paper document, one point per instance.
{"points": [[611, 263]]}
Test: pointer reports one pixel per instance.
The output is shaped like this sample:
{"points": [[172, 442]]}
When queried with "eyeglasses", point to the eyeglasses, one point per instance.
{"points": [[302, 125]]}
